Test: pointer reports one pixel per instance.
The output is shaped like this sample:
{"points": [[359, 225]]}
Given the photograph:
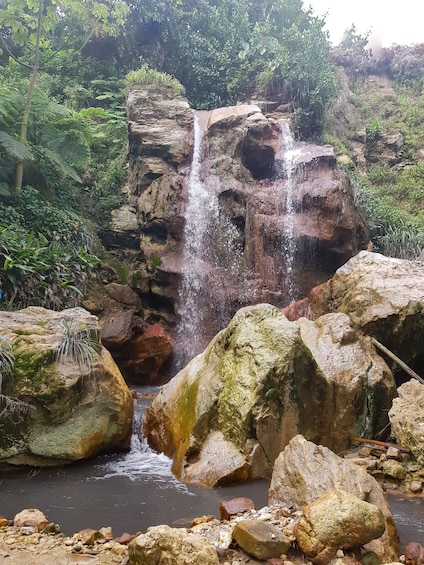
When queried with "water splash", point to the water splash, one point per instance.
{"points": [[141, 464]]}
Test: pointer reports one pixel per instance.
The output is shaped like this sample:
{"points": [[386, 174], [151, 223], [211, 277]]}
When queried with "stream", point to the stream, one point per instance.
{"points": [[135, 490]]}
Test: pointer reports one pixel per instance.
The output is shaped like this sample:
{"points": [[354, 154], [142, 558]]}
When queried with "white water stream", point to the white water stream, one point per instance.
{"points": [[289, 243]]}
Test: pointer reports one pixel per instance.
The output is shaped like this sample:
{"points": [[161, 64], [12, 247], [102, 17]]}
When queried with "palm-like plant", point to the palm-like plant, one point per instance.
{"points": [[79, 345]]}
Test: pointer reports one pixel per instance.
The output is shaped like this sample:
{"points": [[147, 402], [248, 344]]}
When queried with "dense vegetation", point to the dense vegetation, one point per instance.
{"points": [[63, 71]]}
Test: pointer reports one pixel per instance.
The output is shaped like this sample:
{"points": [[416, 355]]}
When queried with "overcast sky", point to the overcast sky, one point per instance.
{"points": [[389, 22]]}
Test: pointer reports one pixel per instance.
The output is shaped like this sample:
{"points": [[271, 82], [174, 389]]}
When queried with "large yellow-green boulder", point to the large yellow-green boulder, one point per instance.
{"points": [[70, 399], [263, 379]]}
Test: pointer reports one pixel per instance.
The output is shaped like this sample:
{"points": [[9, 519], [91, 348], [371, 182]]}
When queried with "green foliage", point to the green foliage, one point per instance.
{"points": [[153, 79], [393, 231], [57, 140], [374, 129], [121, 270], [227, 51], [353, 53], [43, 271], [79, 345], [8, 405]]}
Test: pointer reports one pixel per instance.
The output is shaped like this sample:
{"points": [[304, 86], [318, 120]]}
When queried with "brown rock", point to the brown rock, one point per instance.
{"points": [[117, 329], [261, 540], [238, 505], [31, 517], [414, 554], [125, 538], [123, 293]]}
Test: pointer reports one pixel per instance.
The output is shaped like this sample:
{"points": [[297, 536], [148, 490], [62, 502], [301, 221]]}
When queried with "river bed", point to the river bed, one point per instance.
{"points": [[135, 490]]}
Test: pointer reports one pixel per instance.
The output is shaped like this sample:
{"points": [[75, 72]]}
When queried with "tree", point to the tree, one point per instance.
{"points": [[28, 24], [228, 51]]}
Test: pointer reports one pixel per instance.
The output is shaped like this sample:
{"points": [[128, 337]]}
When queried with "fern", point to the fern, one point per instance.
{"points": [[14, 147]]}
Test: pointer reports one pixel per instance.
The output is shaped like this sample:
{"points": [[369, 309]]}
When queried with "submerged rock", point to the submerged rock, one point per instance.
{"points": [[231, 411], [78, 402]]}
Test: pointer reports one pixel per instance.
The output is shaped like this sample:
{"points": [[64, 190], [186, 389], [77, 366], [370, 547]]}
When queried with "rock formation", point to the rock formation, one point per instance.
{"points": [[383, 297], [244, 259], [407, 418], [304, 472], [78, 402], [230, 412]]}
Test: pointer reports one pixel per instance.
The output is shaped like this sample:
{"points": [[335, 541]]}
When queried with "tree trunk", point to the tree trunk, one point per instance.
{"points": [[19, 169]]}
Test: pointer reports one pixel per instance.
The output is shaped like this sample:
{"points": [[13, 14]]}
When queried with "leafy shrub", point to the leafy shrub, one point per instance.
{"points": [[38, 271], [375, 129], [392, 231], [153, 78]]}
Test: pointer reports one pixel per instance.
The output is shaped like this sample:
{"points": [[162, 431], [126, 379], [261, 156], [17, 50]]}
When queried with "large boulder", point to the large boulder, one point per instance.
{"points": [[304, 472], [336, 521], [407, 418], [78, 404], [383, 297], [228, 414], [173, 546]]}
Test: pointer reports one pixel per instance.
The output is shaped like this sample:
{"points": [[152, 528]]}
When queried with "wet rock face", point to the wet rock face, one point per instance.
{"points": [[241, 170]]}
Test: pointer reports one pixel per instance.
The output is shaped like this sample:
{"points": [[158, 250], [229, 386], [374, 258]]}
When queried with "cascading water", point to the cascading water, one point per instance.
{"points": [[287, 171], [201, 215]]}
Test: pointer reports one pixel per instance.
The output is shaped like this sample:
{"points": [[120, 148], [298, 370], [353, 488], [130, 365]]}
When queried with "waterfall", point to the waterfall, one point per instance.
{"points": [[287, 171], [201, 218]]}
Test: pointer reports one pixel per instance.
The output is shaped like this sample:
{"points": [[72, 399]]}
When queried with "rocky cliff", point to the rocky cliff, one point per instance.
{"points": [[269, 227]]}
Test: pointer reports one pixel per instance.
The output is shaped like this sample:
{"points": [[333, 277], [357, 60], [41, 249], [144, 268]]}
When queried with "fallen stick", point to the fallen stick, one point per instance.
{"points": [[401, 363], [380, 443]]}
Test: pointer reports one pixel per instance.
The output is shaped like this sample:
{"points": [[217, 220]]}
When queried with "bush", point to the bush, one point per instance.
{"points": [[152, 79]]}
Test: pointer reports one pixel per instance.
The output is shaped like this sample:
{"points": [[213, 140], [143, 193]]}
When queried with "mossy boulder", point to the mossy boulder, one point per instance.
{"points": [[262, 380], [383, 296], [76, 407]]}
